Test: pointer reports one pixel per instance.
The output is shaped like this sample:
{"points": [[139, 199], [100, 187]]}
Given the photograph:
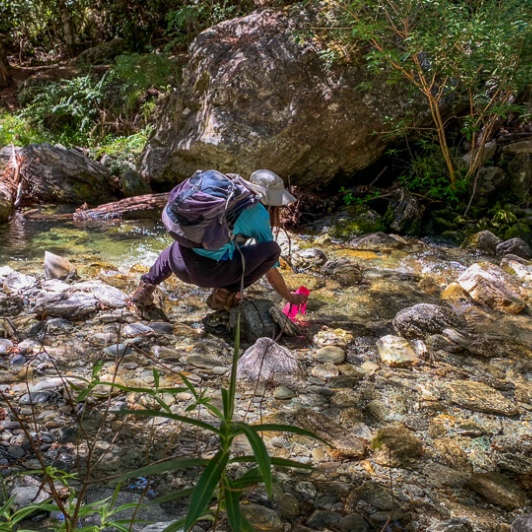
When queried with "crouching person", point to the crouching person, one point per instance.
{"points": [[231, 266]]}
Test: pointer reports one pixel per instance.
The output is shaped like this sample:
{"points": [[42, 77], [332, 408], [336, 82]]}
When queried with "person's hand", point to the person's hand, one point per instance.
{"points": [[297, 299]]}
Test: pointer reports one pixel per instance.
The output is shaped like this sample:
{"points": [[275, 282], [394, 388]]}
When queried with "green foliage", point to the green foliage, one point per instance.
{"points": [[184, 24], [476, 52], [70, 108], [136, 74], [426, 176], [81, 111], [19, 132], [350, 199]]}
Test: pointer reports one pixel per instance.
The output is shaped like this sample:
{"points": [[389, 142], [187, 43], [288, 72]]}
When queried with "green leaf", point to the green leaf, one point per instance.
{"points": [[204, 490], [261, 453], [163, 467], [232, 505], [288, 428]]}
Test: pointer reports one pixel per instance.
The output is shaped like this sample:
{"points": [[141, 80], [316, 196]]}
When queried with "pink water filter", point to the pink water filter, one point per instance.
{"points": [[292, 310]]}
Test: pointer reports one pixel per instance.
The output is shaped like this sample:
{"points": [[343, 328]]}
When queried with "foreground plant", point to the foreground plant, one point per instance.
{"points": [[215, 483]]}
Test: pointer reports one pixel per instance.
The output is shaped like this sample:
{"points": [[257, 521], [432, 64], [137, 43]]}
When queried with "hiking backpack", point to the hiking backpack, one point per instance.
{"points": [[202, 210]]}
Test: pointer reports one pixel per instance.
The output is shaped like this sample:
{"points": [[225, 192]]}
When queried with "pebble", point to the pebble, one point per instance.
{"points": [[331, 353]]}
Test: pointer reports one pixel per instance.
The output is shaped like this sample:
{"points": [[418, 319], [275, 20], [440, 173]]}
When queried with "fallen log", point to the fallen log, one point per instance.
{"points": [[125, 208], [128, 208]]}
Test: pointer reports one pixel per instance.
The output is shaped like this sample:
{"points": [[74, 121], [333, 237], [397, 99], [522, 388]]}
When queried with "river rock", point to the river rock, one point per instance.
{"points": [[57, 267], [519, 267], [262, 518], [522, 524], [342, 441], [490, 285], [269, 362], [479, 397], [395, 445], [344, 270], [58, 175], [396, 351], [330, 353], [424, 320], [483, 240], [6, 203], [514, 246], [378, 241], [499, 490], [256, 320], [405, 213], [15, 282], [309, 259], [254, 97]]}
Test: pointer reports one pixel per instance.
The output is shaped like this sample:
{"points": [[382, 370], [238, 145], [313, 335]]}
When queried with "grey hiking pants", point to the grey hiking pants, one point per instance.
{"points": [[192, 268]]}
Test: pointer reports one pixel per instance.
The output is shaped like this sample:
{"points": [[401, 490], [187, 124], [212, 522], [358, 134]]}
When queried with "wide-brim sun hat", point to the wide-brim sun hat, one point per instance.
{"points": [[270, 187]]}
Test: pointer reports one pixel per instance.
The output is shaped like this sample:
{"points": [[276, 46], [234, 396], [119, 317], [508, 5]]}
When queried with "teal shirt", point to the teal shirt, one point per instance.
{"points": [[252, 223]]}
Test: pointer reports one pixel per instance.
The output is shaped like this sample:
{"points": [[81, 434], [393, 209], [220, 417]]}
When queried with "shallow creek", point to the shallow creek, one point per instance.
{"points": [[446, 440]]}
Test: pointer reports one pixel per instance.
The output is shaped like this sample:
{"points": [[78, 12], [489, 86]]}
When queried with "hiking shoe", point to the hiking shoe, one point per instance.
{"points": [[222, 299], [142, 297]]}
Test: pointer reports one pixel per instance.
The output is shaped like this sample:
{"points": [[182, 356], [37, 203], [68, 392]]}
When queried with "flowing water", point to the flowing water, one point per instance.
{"points": [[428, 399]]}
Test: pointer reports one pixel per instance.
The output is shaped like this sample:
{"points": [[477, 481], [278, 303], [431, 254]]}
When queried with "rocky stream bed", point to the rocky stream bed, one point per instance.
{"points": [[414, 361]]}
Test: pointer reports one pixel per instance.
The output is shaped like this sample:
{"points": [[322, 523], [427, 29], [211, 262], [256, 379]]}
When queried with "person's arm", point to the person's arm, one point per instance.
{"points": [[277, 281]]}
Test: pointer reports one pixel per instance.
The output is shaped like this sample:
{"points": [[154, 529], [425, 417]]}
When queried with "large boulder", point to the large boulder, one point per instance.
{"points": [[253, 96], [58, 175]]}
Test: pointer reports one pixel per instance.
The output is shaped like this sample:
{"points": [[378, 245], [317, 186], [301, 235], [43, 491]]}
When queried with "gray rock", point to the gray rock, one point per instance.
{"points": [[270, 362], [377, 242], [479, 397], [330, 353], [424, 320], [405, 213], [354, 523], [64, 176], [309, 259], [56, 267], [132, 184], [514, 246], [262, 518], [255, 97], [522, 524], [344, 270], [499, 490], [490, 285], [483, 240], [256, 320], [453, 525], [323, 519]]}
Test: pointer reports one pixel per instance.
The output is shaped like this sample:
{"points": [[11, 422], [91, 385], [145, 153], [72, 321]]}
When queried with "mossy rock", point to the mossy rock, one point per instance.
{"points": [[519, 229], [355, 221]]}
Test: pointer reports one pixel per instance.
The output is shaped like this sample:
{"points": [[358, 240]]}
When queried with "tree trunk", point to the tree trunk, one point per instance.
{"points": [[68, 30], [5, 77]]}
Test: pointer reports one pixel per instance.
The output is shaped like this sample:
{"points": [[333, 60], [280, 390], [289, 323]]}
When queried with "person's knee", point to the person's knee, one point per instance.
{"points": [[273, 250]]}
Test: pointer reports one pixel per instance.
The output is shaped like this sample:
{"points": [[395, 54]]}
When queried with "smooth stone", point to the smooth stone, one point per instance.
{"points": [[202, 361], [498, 490], [353, 523], [261, 518], [322, 519], [479, 397], [283, 393], [330, 353], [325, 371], [288, 506], [396, 351]]}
